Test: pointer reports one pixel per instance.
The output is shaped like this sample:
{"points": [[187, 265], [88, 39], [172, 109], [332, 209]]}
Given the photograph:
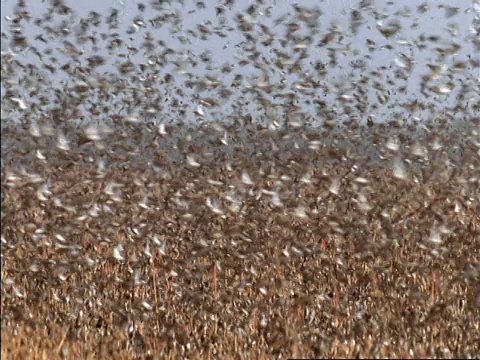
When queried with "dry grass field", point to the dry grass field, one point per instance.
{"points": [[320, 253]]}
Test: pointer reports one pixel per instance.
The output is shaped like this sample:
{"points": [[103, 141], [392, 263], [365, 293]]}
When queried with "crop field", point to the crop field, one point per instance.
{"points": [[322, 253]]}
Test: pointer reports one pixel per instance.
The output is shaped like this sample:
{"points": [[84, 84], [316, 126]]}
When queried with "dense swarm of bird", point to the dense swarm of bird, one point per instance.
{"points": [[158, 204]]}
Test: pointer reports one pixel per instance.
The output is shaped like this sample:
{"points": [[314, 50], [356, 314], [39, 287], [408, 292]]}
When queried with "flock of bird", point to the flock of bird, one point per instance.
{"points": [[291, 200]]}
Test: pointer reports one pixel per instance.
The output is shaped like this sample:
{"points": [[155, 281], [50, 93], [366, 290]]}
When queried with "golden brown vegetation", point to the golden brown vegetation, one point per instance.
{"points": [[306, 257]]}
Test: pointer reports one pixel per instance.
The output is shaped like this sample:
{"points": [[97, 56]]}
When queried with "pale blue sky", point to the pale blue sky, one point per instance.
{"points": [[433, 22]]}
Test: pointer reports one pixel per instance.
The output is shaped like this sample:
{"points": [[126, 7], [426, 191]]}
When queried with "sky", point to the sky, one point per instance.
{"points": [[227, 49]]}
